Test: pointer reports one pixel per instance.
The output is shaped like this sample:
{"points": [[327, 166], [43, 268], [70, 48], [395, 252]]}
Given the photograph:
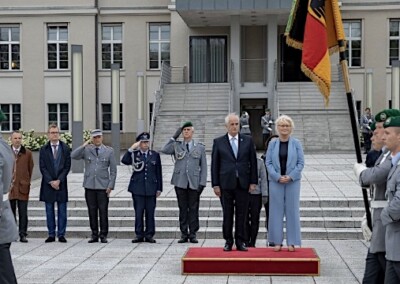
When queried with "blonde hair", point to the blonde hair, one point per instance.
{"points": [[284, 119]]}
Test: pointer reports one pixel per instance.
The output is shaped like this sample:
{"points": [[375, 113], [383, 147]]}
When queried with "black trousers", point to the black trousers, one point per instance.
{"points": [[145, 207], [235, 202], [265, 138], [188, 203], [22, 215], [375, 266], [253, 218], [367, 141], [97, 203], [7, 274], [392, 272]]}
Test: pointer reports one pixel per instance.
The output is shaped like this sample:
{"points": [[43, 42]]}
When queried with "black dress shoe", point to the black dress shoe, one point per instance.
{"points": [[93, 240], [182, 240], [228, 247], [62, 239], [194, 240], [138, 240], [103, 240], [241, 247], [50, 240], [23, 239], [150, 240]]}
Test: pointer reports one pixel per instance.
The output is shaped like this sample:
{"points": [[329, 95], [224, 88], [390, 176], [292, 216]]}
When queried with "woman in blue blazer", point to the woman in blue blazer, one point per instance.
{"points": [[284, 162]]}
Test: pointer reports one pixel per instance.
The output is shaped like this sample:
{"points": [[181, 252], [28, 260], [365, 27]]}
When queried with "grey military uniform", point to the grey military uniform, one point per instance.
{"points": [[391, 214], [8, 227], [101, 170], [377, 176], [190, 167], [265, 123]]}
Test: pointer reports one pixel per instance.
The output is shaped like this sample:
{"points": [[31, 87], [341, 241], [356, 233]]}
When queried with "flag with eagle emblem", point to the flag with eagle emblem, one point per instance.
{"points": [[315, 27]]}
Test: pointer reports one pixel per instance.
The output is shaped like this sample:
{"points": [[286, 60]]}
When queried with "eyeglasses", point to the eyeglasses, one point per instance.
{"points": [[284, 125], [54, 132]]}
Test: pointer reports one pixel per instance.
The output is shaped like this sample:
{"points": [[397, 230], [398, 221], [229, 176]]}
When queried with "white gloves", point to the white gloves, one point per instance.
{"points": [[365, 229], [358, 168]]}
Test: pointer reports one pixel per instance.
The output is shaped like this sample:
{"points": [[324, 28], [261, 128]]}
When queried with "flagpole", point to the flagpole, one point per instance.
{"points": [[354, 124]]}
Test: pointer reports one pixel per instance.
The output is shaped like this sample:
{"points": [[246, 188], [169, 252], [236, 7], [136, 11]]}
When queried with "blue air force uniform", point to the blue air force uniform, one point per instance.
{"points": [[145, 183]]}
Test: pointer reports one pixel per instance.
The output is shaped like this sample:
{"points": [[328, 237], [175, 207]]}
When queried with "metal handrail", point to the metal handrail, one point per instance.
{"points": [[274, 91], [232, 86], [244, 62], [165, 78]]}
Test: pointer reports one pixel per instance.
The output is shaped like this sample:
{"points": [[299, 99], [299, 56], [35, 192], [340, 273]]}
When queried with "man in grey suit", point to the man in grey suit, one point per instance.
{"points": [[376, 176], [189, 178], [99, 180], [8, 227], [391, 213]]}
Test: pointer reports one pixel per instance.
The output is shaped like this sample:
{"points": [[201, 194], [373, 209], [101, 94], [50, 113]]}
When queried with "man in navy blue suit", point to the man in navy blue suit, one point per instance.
{"points": [[146, 185], [233, 175], [55, 163]]}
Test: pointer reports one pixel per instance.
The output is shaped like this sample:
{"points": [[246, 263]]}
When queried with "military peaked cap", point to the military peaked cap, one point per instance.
{"points": [[144, 136]]}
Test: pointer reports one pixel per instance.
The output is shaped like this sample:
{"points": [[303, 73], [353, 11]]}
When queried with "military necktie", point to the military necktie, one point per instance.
{"points": [[97, 151], [187, 147]]}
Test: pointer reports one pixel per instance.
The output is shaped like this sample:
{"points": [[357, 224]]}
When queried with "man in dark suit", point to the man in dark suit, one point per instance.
{"points": [[55, 163], [8, 228], [146, 185], [233, 176]]}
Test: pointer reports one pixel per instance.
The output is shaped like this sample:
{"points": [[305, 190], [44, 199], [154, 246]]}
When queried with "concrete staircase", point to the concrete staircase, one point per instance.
{"points": [[319, 128], [320, 219], [205, 105]]}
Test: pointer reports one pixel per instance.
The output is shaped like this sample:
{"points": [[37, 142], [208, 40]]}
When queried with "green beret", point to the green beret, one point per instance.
{"points": [[373, 126], [2, 116], [384, 114], [393, 121], [187, 124]]}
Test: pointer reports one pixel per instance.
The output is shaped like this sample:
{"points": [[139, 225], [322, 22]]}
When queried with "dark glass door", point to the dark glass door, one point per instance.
{"points": [[208, 59]]}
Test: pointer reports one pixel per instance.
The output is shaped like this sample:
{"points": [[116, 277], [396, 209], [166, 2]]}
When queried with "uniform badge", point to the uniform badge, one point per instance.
{"points": [[383, 116]]}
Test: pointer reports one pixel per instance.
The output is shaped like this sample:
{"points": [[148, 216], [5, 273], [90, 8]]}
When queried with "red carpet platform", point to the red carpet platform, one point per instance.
{"points": [[256, 261]]}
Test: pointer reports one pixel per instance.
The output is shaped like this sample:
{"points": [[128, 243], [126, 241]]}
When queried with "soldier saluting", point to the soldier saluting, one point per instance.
{"points": [[145, 185], [189, 179]]}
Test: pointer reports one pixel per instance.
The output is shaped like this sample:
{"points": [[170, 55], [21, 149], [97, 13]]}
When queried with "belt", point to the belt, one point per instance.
{"points": [[378, 204], [5, 196]]}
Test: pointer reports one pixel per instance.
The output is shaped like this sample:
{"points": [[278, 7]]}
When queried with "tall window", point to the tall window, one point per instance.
{"points": [[353, 39], [107, 118], [394, 38], [13, 113], [159, 44], [111, 45], [59, 114], [9, 48], [57, 46]]}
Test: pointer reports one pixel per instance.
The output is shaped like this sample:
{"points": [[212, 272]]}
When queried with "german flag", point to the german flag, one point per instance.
{"points": [[315, 27]]}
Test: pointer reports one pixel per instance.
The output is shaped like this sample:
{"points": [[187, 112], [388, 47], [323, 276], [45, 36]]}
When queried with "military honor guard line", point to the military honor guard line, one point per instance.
{"points": [[242, 182]]}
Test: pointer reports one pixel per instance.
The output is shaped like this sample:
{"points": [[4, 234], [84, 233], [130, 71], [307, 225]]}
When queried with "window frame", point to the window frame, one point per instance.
{"points": [[159, 41], [395, 38], [350, 39], [10, 117], [121, 124], [112, 42], [57, 42], [58, 112], [10, 43]]}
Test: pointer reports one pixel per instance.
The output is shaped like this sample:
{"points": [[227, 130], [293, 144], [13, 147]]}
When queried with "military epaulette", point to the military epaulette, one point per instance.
{"points": [[201, 143]]}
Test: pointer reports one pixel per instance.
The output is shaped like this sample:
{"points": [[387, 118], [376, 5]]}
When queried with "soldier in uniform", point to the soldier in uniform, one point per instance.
{"points": [[8, 228], [146, 185], [366, 120], [266, 125], [391, 213], [99, 180], [376, 176], [189, 179]]}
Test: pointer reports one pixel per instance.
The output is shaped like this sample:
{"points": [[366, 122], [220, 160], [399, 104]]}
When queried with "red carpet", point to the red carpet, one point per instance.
{"points": [[256, 261]]}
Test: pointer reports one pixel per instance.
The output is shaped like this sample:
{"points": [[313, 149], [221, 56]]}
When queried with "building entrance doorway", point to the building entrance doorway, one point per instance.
{"points": [[256, 109]]}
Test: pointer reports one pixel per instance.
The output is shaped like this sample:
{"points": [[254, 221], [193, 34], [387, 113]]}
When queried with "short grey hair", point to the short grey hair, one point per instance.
{"points": [[286, 119], [229, 116]]}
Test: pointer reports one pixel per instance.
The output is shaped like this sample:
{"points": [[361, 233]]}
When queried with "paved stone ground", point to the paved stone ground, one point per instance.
{"points": [[120, 261]]}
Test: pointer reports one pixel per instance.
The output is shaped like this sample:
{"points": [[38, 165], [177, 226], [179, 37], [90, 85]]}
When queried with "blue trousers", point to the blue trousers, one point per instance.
{"points": [[145, 207], [61, 218]]}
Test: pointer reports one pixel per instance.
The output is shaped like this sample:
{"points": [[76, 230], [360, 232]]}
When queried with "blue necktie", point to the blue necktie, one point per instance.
{"points": [[234, 147]]}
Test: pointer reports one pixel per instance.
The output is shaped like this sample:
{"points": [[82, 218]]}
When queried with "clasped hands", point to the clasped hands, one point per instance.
{"points": [[55, 184], [285, 179]]}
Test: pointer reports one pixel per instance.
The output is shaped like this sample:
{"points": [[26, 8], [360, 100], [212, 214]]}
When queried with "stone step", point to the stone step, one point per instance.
{"points": [[203, 233]]}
